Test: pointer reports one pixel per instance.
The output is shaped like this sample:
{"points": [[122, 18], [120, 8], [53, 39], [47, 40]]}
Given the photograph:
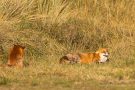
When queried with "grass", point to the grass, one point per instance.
{"points": [[50, 29], [52, 76]]}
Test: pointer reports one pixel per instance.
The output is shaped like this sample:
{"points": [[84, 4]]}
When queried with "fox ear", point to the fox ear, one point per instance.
{"points": [[23, 47], [14, 45]]}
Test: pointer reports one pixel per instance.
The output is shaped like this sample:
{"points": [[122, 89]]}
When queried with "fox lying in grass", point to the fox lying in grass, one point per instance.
{"points": [[99, 56]]}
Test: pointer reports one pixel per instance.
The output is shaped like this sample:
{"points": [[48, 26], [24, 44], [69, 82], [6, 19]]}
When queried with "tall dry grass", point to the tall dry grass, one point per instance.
{"points": [[63, 26], [52, 28]]}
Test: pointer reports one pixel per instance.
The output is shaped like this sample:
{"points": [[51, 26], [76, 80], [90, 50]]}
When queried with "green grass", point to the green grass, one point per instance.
{"points": [[50, 29]]}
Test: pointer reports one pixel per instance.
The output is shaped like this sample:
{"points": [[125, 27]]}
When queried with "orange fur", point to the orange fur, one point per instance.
{"points": [[84, 57], [16, 56], [92, 57], [89, 57]]}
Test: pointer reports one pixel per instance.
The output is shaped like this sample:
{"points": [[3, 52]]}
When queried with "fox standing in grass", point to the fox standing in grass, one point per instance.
{"points": [[99, 56], [16, 56]]}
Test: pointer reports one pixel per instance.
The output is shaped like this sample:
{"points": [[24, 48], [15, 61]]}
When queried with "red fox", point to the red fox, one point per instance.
{"points": [[99, 56], [16, 56]]}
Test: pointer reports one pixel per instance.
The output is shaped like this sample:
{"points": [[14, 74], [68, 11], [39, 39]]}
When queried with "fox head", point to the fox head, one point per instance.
{"points": [[103, 53]]}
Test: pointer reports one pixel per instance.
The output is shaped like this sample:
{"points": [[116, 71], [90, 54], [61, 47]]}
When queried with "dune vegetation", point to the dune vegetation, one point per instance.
{"points": [[50, 29]]}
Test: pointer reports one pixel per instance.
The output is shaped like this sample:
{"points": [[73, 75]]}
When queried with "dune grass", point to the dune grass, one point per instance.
{"points": [[52, 28], [52, 76]]}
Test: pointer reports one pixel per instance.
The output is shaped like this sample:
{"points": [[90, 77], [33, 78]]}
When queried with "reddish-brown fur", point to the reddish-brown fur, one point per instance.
{"points": [[83, 57], [89, 57], [16, 56], [92, 57]]}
